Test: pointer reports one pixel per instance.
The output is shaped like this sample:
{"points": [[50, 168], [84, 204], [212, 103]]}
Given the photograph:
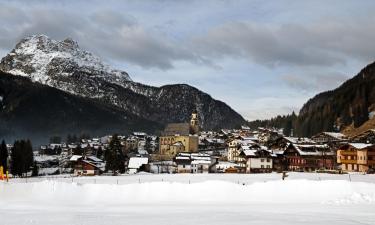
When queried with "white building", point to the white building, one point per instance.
{"points": [[135, 164], [193, 162], [257, 160]]}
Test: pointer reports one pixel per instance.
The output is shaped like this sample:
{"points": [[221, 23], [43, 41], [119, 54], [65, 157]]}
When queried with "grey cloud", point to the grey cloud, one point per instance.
{"points": [[308, 82], [118, 36], [275, 46], [109, 34]]}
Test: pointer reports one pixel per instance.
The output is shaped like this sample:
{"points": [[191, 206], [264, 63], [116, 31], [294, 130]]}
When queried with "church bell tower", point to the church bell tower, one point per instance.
{"points": [[194, 123]]}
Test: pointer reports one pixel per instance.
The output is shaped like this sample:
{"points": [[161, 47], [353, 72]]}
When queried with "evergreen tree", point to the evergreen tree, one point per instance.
{"points": [[69, 139], [148, 145], [16, 159], [99, 153], [22, 157], [114, 157], [4, 156], [29, 159], [35, 171], [78, 150]]}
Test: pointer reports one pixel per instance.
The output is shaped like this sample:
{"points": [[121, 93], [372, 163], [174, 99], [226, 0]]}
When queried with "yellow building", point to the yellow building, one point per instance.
{"points": [[180, 137], [171, 145], [358, 157]]}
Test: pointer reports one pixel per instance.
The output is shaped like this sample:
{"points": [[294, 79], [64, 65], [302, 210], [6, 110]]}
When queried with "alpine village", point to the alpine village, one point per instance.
{"points": [[183, 131]]}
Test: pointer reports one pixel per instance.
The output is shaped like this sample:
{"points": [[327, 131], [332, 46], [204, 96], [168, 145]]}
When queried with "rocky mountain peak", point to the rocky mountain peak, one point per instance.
{"points": [[40, 57]]}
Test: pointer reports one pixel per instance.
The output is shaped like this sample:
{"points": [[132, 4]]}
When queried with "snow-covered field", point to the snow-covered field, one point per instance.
{"points": [[302, 198]]}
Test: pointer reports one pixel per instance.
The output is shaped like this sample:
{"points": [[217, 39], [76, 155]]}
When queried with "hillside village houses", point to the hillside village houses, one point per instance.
{"points": [[185, 148]]}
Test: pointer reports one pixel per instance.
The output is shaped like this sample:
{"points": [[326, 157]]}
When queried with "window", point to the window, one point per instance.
{"points": [[183, 166], [268, 166], [262, 166], [268, 160], [262, 160]]}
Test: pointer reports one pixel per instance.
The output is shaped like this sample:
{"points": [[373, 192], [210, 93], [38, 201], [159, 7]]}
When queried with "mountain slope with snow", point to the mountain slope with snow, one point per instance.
{"points": [[35, 111], [63, 65]]}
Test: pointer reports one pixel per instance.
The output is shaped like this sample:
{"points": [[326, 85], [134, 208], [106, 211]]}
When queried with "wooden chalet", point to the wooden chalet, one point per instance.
{"points": [[308, 157], [364, 137], [358, 157]]}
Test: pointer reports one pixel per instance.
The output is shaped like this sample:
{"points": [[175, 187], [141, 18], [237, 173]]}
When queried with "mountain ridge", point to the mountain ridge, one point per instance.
{"points": [[62, 65], [349, 105]]}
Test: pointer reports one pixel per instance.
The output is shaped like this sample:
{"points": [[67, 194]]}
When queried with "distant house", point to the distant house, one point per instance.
{"points": [[309, 157], [183, 163], [87, 166], [137, 164], [329, 138], [359, 157], [167, 166], [213, 144], [200, 166], [193, 162], [223, 166], [367, 137], [257, 160], [234, 149]]}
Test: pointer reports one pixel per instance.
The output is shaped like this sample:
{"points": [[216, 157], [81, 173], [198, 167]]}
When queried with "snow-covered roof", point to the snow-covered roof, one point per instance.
{"points": [[142, 152], [360, 145], [245, 128], [139, 134], [179, 143], [246, 142], [296, 140], [95, 159], [314, 152], [225, 165], [249, 152], [215, 140], [75, 158], [44, 158], [182, 157], [137, 162], [197, 162], [335, 135]]}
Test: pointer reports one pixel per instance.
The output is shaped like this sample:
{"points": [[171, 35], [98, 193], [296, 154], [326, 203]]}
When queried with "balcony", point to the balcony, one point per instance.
{"points": [[346, 153], [347, 161]]}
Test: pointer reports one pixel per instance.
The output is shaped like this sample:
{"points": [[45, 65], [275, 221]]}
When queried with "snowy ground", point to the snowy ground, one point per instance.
{"points": [[190, 199]]}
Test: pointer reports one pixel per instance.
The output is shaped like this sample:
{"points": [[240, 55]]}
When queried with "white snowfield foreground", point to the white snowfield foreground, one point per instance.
{"points": [[221, 199]]}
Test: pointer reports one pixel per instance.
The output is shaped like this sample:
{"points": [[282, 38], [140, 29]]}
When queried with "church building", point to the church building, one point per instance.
{"points": [[180, 137]]}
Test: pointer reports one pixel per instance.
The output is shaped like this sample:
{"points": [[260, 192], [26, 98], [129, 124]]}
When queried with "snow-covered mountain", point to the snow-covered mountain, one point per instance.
{"points": [[63, 65], [42, 58]]}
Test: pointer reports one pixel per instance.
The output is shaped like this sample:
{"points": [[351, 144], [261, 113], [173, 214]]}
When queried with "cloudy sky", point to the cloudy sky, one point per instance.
{"points": [[263, 58]]}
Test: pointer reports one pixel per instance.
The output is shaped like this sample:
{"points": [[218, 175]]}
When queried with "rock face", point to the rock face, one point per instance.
{"points": [[63, 65], [48, 61]]}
